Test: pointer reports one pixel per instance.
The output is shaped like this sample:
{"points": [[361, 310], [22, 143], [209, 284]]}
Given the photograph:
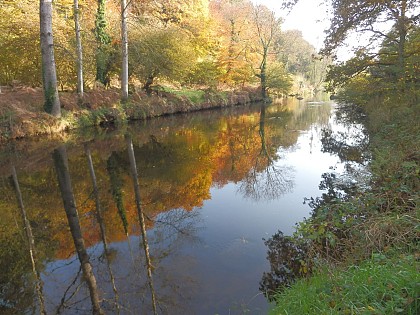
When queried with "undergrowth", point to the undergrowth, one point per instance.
{"points": [[363, 251], [380, 285]]}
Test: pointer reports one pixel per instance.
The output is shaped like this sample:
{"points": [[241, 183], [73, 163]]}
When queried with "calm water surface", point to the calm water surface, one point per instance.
{"points": [[212, 186]]}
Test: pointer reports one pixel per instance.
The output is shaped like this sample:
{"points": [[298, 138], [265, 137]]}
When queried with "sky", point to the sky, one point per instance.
{"points": [[307, 16]]}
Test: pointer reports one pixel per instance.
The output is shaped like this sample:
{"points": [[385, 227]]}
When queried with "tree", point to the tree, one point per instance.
{"points": [[233, 19], [78, 50], [19, 39], [124, 50], [268, 28], [161, 53], [49, 75], [103, 41], [278, 79], [294, 52], [365, 17]]}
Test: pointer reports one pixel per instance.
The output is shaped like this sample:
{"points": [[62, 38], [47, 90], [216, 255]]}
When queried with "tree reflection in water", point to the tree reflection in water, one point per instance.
{"points": [[289, 258], [178, 167], [30, 241], [66, 189], [99, 217], [288, 261], [134, 176], [266, 180]]}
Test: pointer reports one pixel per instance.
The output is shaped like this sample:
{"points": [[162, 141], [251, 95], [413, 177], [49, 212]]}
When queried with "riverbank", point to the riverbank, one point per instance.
{"points": [[362, 252], [22, 115]]}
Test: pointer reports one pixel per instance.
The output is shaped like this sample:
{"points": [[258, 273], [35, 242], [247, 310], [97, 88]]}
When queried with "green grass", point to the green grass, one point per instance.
{"points": [[378, 286], [195, 96], [382, 219]]}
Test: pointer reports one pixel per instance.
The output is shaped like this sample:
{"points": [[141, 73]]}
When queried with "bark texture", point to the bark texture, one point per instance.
{"points": [[49, 75], [79, 50], [124, 44]]}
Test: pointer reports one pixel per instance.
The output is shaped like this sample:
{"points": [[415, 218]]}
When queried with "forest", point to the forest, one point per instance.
{"points": [[139, 46]]}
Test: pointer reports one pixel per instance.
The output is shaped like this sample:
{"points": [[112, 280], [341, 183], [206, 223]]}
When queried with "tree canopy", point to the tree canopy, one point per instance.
{"points": [[216, 43]]}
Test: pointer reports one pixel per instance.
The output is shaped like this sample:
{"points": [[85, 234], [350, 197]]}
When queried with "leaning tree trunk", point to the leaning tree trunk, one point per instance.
{"points": [[49, 75], [79, 51], [124, 43]]}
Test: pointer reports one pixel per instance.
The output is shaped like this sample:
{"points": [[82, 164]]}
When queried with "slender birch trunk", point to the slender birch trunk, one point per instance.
{"points": [[124, 43], [49, 75], [31, 242], [79, 51], [64, 181]]}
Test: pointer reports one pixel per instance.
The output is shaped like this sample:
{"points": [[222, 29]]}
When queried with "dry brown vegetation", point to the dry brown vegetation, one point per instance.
{"points": [[22, 114]]}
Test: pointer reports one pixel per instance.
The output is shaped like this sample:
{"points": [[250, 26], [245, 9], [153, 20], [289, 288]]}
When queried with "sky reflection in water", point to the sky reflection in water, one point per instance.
{"points": [[212, 186]]}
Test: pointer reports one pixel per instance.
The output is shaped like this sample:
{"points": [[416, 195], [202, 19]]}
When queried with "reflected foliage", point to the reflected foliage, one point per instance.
{"points": [[116, 182], [178, 160], [16, 279], [336, 190], [267, 179], [293, 257], [338, 144], [288, 261]]}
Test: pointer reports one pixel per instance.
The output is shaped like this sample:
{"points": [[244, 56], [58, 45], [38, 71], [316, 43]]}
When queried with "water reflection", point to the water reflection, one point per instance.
{"points": [[145, 242], [169, 219], [289, 260], [266, 179], [66, 189], [31, 242], [107, 252]]}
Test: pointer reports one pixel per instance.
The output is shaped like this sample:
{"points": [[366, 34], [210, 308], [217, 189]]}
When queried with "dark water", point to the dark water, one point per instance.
{"points": [[212, 185]]}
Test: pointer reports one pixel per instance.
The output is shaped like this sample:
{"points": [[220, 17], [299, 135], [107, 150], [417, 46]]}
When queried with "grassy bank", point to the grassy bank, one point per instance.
{"points": [[362, 253], [22, 115], [380, 285]]}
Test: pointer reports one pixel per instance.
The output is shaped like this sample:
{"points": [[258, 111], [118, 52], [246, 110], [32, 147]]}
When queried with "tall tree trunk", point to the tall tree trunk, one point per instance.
{"points": [[133, 171], [49, 75], [63, 175], [263, 74], [124, 44], [79, 51], [402, 31], [31, 242], [231, 46], [101, 224]]}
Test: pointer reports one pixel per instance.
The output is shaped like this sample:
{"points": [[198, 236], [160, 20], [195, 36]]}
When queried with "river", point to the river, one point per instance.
{"points": [[188, 239]]}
